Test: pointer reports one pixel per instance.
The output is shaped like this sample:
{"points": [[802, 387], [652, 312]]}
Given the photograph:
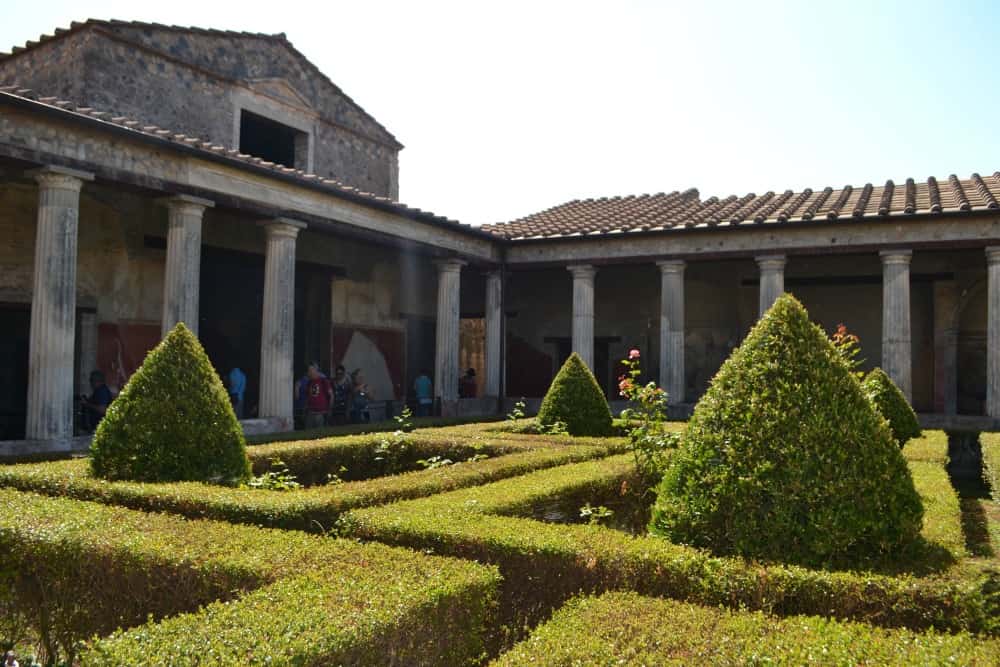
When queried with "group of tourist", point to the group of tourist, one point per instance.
{"points": [[338, 400]]}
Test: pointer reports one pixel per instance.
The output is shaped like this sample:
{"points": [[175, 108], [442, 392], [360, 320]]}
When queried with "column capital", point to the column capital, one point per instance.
{"points": [[582, 271], [285, 227], [993, 254], [771, 262], [895, 256], [185, 203], [671, 265], [449, 265], [63, 178]]}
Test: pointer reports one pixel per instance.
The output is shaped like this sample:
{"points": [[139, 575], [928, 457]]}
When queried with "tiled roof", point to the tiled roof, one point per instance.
{"points": [[686, 210], [279, 38], [218, 151]]}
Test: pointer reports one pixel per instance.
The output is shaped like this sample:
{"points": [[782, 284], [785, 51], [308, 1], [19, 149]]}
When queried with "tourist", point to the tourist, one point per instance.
{"points": [[96, 405], [237, 388], [423, 388], [467, 384], [9, 660], [341, 395], [360, 396], [319, 397]]}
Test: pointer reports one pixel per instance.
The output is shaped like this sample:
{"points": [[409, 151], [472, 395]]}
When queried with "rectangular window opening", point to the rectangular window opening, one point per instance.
{"points": [[272, 141]]}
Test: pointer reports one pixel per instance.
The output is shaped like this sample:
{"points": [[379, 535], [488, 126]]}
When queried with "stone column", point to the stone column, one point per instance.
{"points": [[945, 347], [446, 370], [183, 272], [277, 344], [772, 280], [583, 312], [672, 329], [494, 334], [993, 332], [53, 304], [896, 348]]}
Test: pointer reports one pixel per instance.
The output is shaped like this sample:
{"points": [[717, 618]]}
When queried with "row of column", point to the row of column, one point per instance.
{"points": [[897, 360], [53, 305]]}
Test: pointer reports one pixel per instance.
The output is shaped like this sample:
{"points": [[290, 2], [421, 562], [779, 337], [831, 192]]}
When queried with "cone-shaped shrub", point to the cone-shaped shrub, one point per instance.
{"points": [[173, 421], [785, 459], [576, 399], [889, 400]]}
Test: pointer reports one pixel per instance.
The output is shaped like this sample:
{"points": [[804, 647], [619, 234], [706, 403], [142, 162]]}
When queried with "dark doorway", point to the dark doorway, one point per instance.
{"points": [[421, 334], [231, 308], [15, 324], [312, 315], [602, 357], [267, 139]]}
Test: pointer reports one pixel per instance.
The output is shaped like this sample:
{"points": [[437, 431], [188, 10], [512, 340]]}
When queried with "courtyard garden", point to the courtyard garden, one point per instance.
{"points": [[799, 517]]}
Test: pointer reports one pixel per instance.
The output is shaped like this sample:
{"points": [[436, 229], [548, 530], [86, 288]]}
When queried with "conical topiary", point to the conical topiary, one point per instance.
{"points": [[890, 402], [576, 399], [785, 459], [173, 421]]}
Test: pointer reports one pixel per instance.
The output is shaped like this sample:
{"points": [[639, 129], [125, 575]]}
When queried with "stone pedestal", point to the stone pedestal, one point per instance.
{"points": [[946, 298], [993, 332], [672, 329], [494, 334], [53, 305], [896, 346], [583, 312], [277, 344], [181, 280], [772, 280], [446, 370]]}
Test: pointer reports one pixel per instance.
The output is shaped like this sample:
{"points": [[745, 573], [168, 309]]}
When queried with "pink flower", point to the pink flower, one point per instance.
{"points": [[624, 386], [633, 354]]}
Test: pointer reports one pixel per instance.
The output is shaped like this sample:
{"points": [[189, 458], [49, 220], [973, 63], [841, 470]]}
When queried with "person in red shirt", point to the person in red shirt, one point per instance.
{"points": [[319, 397]]}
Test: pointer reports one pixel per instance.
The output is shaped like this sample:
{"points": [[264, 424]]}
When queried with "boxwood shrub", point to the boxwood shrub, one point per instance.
{"points": [[543, 564], [173, 421], [619, 628], [576, 400], [886, 396], [77, 569], [990, 443], [785, 459]]}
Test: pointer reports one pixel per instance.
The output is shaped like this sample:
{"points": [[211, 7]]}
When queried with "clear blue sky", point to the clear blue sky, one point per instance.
{"points": [[511, 107]]}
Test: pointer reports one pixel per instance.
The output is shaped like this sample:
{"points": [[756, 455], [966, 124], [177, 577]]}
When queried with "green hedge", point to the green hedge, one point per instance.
{"points": [[543, 564], [625, 628], [172, 422], [387, 425], [990, 443], [312, 509], [576, 400], [886, 396], [785, 458], [79, 569]]}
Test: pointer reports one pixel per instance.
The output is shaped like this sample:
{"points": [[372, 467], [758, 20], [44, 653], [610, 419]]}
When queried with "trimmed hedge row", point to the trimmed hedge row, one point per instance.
{"points": [[990, 443], [620, 628], [314, 509], [387, 425], [544, 564], [81, 569]]}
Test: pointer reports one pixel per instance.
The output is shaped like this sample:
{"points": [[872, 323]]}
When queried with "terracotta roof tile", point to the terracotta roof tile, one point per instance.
{"points": [[217, 151], [686, 210]]}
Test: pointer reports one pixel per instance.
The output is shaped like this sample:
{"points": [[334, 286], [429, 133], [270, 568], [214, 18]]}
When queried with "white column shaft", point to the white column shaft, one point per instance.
{"points": [[772, 280], [53, 305], [446, 369], [672, 329], [993, 332], [896, 347], [278, 330], [494, 332], [583, 312], [181, 281]]}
